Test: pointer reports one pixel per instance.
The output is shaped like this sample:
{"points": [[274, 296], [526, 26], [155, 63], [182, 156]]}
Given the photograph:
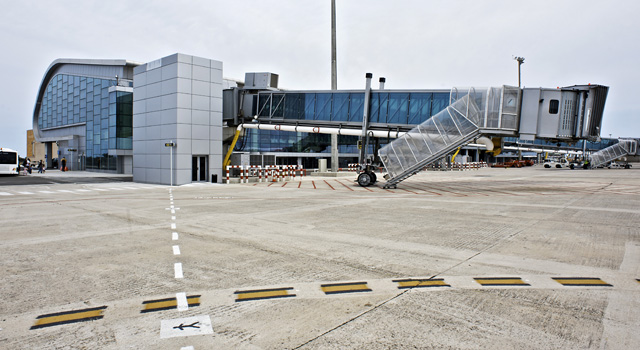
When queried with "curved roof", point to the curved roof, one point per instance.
{"points": [[54, 68]]}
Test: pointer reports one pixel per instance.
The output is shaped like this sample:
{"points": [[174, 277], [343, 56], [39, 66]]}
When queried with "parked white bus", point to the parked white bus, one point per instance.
{"points": [[8, 161]]}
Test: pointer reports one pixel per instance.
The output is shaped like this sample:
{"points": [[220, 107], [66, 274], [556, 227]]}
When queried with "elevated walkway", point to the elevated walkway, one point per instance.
{"points": [[470, 113], [613, 152]]}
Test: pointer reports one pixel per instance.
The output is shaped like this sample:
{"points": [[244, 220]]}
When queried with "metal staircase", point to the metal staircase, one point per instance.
{"points": [[468, 115], [613, 152]]}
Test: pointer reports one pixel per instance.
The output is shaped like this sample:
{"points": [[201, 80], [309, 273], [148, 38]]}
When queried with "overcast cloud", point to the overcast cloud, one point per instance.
{"points": [[414, 44]]}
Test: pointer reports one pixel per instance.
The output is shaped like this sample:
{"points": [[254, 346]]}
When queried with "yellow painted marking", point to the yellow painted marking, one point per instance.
{"points": [[499, 281], [165, 304], [421, 283], [345, 288], [581, 281], [263, 294], [69, 317]]}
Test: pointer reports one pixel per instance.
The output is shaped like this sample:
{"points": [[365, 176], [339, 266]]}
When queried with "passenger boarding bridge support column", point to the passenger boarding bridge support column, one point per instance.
{"points": [[365, 119]]}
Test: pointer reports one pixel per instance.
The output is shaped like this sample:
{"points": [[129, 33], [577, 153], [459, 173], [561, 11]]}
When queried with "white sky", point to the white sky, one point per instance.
{"points": [[414, 44]]}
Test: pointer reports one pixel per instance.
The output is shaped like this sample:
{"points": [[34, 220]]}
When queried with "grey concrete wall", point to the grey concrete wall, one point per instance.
{"points": [[176, 98]]}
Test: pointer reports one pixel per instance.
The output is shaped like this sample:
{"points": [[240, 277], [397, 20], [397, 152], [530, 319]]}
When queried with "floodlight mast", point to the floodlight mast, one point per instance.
{"points": [[520, 62]]}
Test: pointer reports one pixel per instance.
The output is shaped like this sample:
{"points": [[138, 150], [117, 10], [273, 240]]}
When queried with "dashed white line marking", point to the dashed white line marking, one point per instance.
{"points": [[171, 206], [173, 211], [177, 267], [173, 226], [176, 250], [66, 191], [100, 189], [174, 236], [115, 188], [173, 218], [6, 194], [45, 192], [190, 347], [183, 305], [25, 192]]}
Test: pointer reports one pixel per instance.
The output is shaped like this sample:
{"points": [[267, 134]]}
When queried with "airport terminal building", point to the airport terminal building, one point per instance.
{"points": [[172, 120]]}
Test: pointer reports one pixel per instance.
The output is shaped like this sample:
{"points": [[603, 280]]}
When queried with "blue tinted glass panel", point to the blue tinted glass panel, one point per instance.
{"points": [[419, 107], [309, 106], [264, 102], [398, 108], [356, 107], [440, 102], [379, 106], [277, 106], [294, 106], [340, 107], [323, 106]]}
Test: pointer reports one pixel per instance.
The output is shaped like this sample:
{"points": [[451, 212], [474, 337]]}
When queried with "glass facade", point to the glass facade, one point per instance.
{"points": [[395, 108], [70, 99], [405, 109]]}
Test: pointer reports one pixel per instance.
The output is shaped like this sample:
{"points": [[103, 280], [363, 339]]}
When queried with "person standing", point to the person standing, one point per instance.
{"points": [[64, 164], [40, 167]]}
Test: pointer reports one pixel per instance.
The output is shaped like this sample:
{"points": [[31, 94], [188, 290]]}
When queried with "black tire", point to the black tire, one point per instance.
{"points": [[374, 178], [364, 179]]}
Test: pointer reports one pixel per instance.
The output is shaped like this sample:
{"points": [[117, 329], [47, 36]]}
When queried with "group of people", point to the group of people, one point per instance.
{"points": [[28, 167]]}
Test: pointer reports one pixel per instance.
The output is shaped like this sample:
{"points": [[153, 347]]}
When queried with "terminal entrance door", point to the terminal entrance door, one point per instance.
{"points": [[199, 168]]}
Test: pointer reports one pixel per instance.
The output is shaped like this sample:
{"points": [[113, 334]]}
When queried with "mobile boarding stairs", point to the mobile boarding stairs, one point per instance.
{"points": [[566, 115]]}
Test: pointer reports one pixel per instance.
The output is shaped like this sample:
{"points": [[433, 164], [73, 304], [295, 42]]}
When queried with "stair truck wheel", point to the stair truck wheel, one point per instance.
{"points": [[374, 178], [364, 179]]}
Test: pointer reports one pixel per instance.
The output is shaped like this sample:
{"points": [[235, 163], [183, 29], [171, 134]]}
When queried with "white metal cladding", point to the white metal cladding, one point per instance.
{"points": [[613, 152]]}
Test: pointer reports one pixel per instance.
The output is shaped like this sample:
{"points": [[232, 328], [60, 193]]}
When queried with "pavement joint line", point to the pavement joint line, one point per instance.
{"points": [[168, 303], [177, 267], [176, 250], [261, 294], [67, 317]]}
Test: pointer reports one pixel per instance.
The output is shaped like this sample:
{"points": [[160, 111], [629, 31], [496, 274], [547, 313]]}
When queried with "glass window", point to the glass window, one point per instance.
{"points": [[277, 105], [379, 106], [340, 107], [294, 106], [419, 108], [398, 108], [554, 106], [323, 106], [356, 107], [440, 101], [309, 106], [264, 101]]}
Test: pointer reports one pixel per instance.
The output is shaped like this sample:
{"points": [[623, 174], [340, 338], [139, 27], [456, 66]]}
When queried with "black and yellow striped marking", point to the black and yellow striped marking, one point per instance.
{"points": [[69, 317], [420, 283], [582, 281], [260, 294], [501, 281], [168, 303], [352, 287]]}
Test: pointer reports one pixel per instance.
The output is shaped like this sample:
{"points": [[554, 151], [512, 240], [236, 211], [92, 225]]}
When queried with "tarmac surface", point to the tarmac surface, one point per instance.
{"points": [[527, 258]]}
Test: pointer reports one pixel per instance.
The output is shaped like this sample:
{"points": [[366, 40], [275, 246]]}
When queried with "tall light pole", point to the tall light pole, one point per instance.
{"points": [[520, 62], [334, 83]]}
